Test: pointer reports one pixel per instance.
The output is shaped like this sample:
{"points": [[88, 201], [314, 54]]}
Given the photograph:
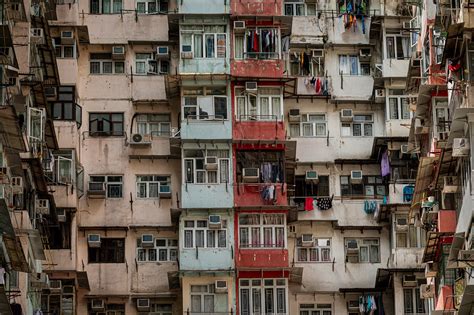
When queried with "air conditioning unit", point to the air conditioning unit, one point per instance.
{"points": [[143, 304], [312, 177], [211, 163], [466, 255], [50, 92], [215, 222], [427, 291], [17, 184], [401, 225], [67, 37], [221, 286], [96, 189], [317, 53], [118, 52], [147, 240], [93, 240], [42, 206], [97, 304], [409, 281], [307, 240], [406, 25], [162, 52], [353, 306], [239, 25], [37, 32], [420, 128], [61, 212], [380, 93], [250, 175], [461, 147], [431, 269], [251, 86], [365, 54], [186, 52], [55, 286], [294, 115], [356, 177], [139, 139], [451, 185], [346, 115], [352, 248], [404, 149]]}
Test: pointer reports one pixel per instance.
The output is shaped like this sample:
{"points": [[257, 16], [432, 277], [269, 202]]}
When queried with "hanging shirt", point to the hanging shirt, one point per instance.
{"points": [[271, 192], [385, 164], [308, 204]]}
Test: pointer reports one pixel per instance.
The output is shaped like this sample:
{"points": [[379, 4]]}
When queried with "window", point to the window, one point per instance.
{"points": [[36, 120], [161, 309], [397, 45], [152, 6], [111, 250], [61, 302], [412, 302], [368, 250], [311, 125], [320, 252], [205, 107], [63, 230], [164, 250], [105, 124], [105, 6], [204, 300], [262, 231], [315, 309], [371, 186], [350, 65], [113, 184], [102, 63], [265, 105], [398, 105], [306, 189], [154, 124], [64, 51], [361, 126], [196, 171], [260, 43], [111, 309], [441, 118], [270, 164], [439, 40], [63, 169], [150, 186], [208, 41], [65, 108], [299, 8], [263, 296], [315, 68], [146, 63], [407, 235], [198, 234]]}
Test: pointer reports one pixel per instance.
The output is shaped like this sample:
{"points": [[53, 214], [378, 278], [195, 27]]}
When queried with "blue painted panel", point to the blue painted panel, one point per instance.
{"points": [[203, 65], [216, 130], [207, 196], [204, 6]]}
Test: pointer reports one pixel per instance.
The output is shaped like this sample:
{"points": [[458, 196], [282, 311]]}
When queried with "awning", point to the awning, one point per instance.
{"points": [[433, 240], [384, 275], [454, 42], [15, 254], [424, 178], [386, 209], [36, 244], [10, 129], [456, 246], [5, 308]]}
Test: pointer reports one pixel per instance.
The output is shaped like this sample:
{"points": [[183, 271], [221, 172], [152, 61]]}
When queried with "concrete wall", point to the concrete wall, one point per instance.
{"points": [[203, 7]]}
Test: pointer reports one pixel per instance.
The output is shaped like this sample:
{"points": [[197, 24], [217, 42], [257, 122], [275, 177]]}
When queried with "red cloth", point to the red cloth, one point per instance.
{"points": [[318, 86], [308, 204], [255, 42]]}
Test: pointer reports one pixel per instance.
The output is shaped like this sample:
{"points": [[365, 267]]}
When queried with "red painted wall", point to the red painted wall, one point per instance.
{"points": [[250, 195], [259, 130], [444, 300], [256, 7], [262, 258], [447, 221], [255, 68]]}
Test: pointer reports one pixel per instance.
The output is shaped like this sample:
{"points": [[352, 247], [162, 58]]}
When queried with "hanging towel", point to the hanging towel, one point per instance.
{"points": [[318, 86], [308, 204]]}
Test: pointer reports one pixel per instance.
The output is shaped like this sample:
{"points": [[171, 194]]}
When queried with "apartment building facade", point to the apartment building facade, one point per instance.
{"points": [[236, 157]]}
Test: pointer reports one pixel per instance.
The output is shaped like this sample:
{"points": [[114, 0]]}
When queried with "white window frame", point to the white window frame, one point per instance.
{"points": [[210, 291], [150, 64], [149, 124], [438, 105], [61, 50], [36, 122], [201, 33], [220, 179], [320, 309], [146, 185], [154, 309], [110, 183], [198, 107], [294, 4], [347, 71], [112, 7], [171, 248], [317, 64], [256, 113], [147, 4], [317, 248], [398, 98], [408, 234], [59, 159], [365, 243], [415, 296], [262, 286], [305, 121], [262, 228], [206, 231], [395, 35], [363, 123], [101, 63]]}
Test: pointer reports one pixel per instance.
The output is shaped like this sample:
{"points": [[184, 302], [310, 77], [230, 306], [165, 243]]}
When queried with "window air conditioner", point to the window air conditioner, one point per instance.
{"points": [[317, 53], [147, 240], [221, 286], [162, 52], [239, 25], [346, 115], [118, 52], [294, 115], [352, 248], [307, 240], [353, 305], [186, 52], [211, 163], [406, 25], [139, 139], [409, 281], [250, 175], [312, 177], [61, 212], [42, 206], [356, 177], [215, 222], [50, 92], [93, 240], [401, 225], [97, 304], [251, 86], [143, 304], [461, 147], [55, 286], [67, 37]]}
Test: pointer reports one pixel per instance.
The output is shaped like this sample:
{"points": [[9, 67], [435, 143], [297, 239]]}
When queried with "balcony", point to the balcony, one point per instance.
{"points": [[67, 71], [394, 68], [253, 195], [262, 258], [207, 195], [259, 127], [304, 88], [212, 127], [258, 68], [256, 8], [401, 193], [447, 221], [62, 259], [352, 87], [65, 196], [151, 278], [203, 6], [206, 258]]}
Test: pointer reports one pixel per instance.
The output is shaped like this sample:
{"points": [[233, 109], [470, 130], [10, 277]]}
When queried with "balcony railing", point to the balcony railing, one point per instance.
{"points": [[279, 245], [204, 117], [188, 312], [262, 55], [266, 118]]}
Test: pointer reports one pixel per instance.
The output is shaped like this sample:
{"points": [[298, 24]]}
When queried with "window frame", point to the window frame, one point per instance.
{"points": [[195, 171], [312, 308], [101, 253], [171, 247], [58, 107], [317, 248], [100, 7], [160, 180], [314, 126], [108, 183], [262, 228], [159, 5], [416, 301], [205, 230], [253, 288], [399, 101], [240, 93], [103, 58], [395, 35], [245, 55], [317, 64], [151, 65], [100, 118], [442, 104], [210, 292], [363, 124], [294, 4], [199, 114], [146, 121], [365, 243], [375, 181], [195, 33], [361, 65]]}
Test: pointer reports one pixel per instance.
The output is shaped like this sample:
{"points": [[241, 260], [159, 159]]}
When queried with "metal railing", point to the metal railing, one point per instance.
{"points": [[204, 117], [267, 118], [262, 246], [188, 312], [262, 55]]}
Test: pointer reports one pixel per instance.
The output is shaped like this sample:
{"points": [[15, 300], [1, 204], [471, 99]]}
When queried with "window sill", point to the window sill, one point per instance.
{"points": [[264, 248], [314, 262], [114, 13], [115, 74]]}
